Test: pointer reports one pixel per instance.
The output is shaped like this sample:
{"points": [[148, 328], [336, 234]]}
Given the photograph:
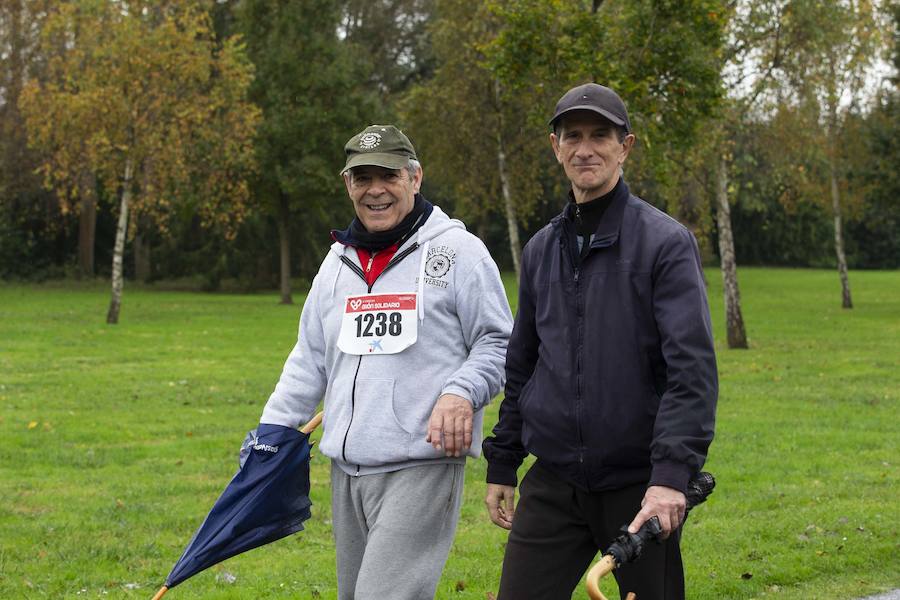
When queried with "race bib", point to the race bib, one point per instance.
{"points": [[378, 324]]}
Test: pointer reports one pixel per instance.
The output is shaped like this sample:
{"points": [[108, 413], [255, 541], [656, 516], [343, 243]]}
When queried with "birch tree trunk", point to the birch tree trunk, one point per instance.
{"points": [[734, 320], [846, 301], [512, 227], [87, 225], [285, 248], [115, 303], [831, 130]]}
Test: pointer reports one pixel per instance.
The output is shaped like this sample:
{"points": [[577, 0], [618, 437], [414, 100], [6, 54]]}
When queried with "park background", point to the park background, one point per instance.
{"points": [[155, 152]]}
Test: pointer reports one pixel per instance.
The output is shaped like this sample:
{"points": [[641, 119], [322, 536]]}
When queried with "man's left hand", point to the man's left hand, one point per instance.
{"points": [[450, 425], [665, 503]]}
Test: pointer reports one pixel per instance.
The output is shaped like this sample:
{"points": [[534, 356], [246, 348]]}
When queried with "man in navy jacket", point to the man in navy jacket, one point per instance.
{"points": [[611, 374]]}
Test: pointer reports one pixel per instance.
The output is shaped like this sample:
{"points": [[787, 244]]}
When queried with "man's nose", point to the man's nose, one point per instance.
{"points": [[377, 187], [584, 149]]}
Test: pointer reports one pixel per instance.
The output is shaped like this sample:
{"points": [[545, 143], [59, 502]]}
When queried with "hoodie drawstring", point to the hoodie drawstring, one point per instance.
{"points": [[421, 294]]}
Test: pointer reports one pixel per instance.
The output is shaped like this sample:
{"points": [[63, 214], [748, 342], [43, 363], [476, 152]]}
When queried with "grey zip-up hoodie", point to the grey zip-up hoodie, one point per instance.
{"points": [[377, 406]]}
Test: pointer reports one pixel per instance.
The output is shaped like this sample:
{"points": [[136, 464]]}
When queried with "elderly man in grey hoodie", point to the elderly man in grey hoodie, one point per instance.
{"points": [[404, 335]]}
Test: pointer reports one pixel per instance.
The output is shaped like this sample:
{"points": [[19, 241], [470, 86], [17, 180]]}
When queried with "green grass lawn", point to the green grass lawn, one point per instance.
{"points": [[116, 440]]}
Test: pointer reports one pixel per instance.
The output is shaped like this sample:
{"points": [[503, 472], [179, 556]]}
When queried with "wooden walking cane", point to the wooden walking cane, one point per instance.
{"points": [[628, 546], [603, 567], [306, 429]]}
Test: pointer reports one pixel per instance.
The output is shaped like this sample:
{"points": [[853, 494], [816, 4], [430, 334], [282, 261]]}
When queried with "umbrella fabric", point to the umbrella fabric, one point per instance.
{"points": [[266, 500]]}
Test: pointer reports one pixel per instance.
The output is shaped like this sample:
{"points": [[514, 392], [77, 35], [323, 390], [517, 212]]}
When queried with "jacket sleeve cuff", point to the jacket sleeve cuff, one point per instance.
{"points": [[502, 473], [673, 475]]}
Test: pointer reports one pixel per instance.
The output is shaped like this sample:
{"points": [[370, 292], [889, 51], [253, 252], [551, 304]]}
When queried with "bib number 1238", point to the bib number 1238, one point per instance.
{"points": [[378, 323]]}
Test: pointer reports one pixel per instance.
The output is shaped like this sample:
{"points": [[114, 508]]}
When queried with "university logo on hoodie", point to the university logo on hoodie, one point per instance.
{"points": [[438, 264]]}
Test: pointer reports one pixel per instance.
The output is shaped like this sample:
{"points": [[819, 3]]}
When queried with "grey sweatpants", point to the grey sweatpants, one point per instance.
{"points": [[393, 531]]}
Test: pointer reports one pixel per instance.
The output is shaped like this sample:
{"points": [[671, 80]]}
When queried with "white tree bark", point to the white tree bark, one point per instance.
{"points": [[846, 301], [734, 320], [512, 226], [115, 303]]}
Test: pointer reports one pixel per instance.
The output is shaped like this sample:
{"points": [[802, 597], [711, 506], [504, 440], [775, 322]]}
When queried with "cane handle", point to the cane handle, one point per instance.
{"points": [[603, 567]]}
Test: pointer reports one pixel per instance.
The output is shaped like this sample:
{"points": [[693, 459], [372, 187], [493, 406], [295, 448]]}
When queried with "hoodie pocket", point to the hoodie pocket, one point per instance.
{"points": [[376, 436]]}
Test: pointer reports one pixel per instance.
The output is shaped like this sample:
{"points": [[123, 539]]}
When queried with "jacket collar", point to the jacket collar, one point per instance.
{"points": [[607, 232]]}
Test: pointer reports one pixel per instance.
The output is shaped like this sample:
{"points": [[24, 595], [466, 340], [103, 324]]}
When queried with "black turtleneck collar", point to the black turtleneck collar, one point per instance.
{"points": [[586, 216], [595, 222], [357, 236]]}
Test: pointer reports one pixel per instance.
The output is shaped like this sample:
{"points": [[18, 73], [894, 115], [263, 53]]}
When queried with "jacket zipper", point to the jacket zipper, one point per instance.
{"points": [[356, 269], [579, 369], [579, 349]]}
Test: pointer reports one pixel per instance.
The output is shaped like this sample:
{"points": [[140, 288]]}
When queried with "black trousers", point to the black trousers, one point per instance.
{"points": [[558, 530]]}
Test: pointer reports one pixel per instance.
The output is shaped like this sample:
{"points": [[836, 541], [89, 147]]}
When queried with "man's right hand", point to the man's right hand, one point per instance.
{"points": [[501, 504]]}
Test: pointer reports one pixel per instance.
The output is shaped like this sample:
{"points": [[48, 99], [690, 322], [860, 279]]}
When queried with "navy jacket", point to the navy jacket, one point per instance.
{"points": [[611, 370]]}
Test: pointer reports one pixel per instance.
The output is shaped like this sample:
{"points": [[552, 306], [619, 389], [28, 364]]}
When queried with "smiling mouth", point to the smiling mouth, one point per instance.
{"points": [[378, 207]]}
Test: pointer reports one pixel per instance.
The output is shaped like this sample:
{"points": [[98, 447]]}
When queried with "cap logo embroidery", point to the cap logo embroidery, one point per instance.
{"points": [[369, 140]]}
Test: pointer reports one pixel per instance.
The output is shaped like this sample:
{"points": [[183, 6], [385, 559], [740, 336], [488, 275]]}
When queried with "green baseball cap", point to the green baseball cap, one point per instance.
{"points": [[379, 145]]}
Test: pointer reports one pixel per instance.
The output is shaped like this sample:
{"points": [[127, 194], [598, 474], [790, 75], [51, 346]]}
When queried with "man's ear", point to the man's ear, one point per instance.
{"points": [[417, 180], [346, 176], [554, 142], [627, 145]]}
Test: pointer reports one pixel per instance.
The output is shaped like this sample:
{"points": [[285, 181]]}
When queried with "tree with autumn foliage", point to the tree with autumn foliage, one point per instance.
{"points": [[146, 99], [826, 80]]}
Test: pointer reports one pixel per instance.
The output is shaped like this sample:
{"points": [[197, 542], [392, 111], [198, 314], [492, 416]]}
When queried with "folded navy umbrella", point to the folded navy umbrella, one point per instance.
{"points": [[267, 499]]}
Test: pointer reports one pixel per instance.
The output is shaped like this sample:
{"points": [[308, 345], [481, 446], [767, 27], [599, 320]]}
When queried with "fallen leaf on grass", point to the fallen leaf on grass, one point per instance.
{"points": [[490, 596], [460, 585], [746, 575], [32, 425]]}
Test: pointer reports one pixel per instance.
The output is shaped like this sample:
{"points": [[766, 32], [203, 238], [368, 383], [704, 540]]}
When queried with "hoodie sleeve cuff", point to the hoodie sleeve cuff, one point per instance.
{"points": [[672, 475], [502, 473], [458, 391]]}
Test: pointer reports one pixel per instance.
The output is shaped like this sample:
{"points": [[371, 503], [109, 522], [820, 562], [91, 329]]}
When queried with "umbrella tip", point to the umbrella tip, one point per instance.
{"points": [[162, 591]]}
